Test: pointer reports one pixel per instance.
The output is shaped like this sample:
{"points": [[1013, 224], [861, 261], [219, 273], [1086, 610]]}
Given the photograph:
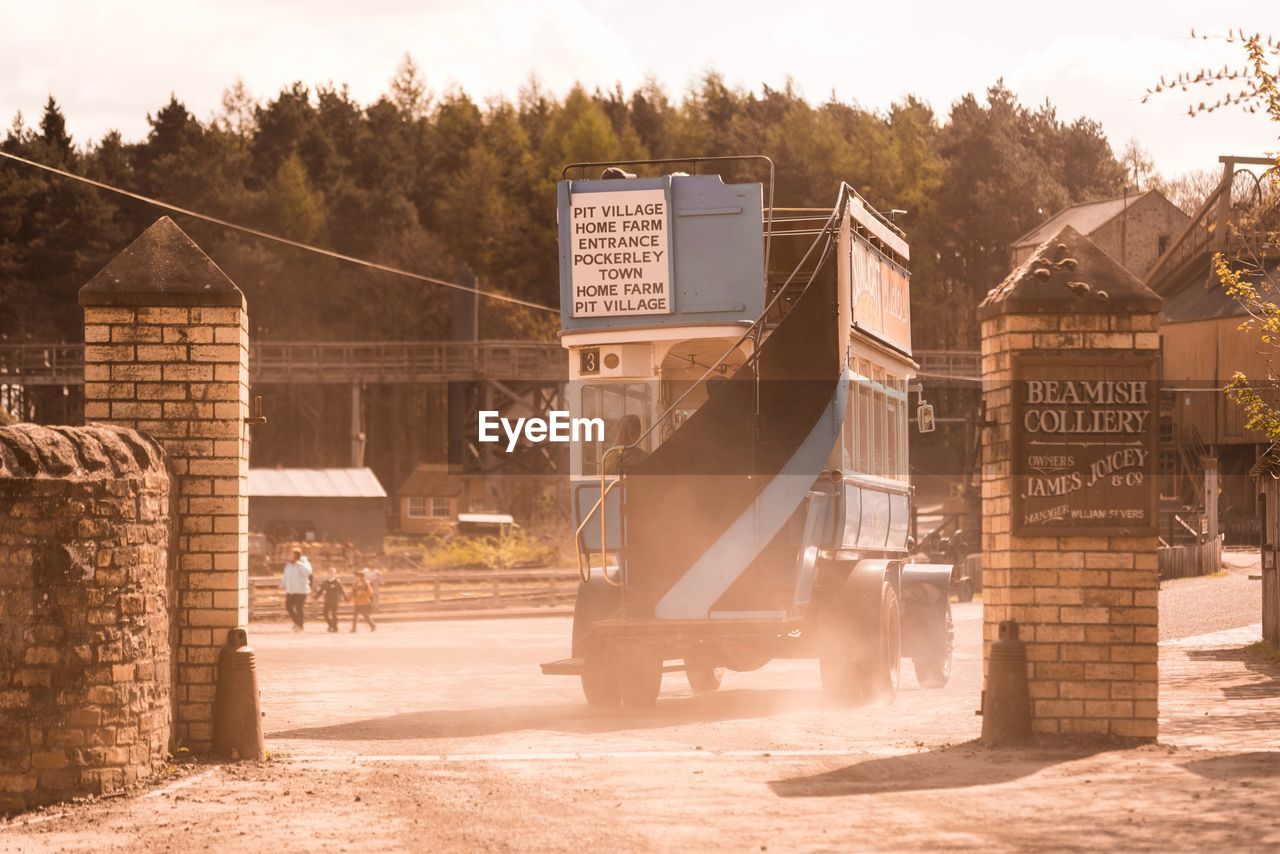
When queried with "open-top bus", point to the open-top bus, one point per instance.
{"points": [[750, 497]]}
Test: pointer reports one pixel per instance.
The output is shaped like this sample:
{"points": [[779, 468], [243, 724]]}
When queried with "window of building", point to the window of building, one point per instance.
{"points": [[1168, 474], [417, 507], [440, 508], [1162, 244]]}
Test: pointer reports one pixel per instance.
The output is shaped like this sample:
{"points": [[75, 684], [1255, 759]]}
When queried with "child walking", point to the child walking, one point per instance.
{"points": [[332, 591], [362, 596]]}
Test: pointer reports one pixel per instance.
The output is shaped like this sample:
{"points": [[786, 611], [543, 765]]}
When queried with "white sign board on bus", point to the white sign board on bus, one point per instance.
{"points": [[620, 261], [881, 295]]}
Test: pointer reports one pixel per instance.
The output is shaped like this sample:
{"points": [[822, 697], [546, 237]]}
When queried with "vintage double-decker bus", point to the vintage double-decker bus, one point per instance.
{"points": [[750, 499]]}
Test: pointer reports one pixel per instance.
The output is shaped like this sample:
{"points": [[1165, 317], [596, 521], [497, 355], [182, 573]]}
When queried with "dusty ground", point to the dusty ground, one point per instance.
{"points": [[444, 736]]}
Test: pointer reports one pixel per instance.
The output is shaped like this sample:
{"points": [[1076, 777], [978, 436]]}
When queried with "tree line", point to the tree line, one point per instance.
{"points": [[448, 187]]}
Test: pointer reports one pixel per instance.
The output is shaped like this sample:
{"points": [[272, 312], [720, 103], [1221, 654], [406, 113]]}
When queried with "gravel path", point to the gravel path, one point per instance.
{"points": [[1195, 606]]}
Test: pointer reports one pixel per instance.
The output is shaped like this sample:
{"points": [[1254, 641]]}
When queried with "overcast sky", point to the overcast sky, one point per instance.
{"points": [[110, 63]]}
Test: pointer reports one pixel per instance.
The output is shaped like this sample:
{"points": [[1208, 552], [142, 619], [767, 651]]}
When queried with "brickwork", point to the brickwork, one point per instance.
{"points": [[1086, 602], [167, 353], [84, 612], [1087, 605]]}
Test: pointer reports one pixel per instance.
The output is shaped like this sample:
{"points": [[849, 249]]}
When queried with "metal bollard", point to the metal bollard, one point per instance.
{"points": [[1006, 705], [237, 720]]}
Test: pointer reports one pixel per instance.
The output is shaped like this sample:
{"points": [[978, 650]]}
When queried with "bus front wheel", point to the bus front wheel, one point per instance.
{"points": [[600, 678]]}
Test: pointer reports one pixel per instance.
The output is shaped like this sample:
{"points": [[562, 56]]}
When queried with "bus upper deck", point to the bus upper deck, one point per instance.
{"points": [[665, 282]]}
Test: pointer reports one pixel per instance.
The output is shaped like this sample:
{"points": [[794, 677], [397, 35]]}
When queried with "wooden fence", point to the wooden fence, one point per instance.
{"points": [[1188, 561], [422, 592]]}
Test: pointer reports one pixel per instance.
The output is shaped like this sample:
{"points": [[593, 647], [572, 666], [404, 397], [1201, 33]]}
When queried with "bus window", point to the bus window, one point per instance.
{"points": [[625, 410], [864, 428], [877, 442], [847, 458], [891, 445], [905, 473]]}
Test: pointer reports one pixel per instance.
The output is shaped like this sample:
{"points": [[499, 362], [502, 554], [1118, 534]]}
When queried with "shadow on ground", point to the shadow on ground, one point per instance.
{"points": [[1241, 709], [1254, 662], [743, 704], [957, 766], [1232, 768]]}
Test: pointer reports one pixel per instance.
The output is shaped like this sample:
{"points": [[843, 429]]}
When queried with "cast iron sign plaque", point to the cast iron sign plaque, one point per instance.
{"points": [[1084, 445]]}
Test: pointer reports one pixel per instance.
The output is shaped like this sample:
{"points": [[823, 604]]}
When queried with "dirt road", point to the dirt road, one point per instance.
{"points": [[444, 736], [1225, 600], [475, 686]]}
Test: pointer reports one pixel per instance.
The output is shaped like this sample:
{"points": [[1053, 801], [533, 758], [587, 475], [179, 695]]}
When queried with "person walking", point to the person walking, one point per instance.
{"points": [[362, 597], [333, 592], [297, 586], [373, 576]]}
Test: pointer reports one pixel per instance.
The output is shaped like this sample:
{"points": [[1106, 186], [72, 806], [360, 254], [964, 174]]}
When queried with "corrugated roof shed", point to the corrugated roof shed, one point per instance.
{"points": [[314, 483]]}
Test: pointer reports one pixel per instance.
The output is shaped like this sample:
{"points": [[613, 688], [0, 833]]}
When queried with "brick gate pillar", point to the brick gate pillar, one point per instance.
{"points": [[166, 352], [1069, 361]]}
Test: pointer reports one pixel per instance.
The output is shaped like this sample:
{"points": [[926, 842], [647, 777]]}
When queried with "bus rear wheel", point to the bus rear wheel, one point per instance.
{"points": [[885, 670], [703, 674], [933, 667], [863, 675]]}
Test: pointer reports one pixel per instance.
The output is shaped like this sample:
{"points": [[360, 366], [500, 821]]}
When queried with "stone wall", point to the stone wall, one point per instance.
{"points": [[85, 668], [1135, 239]]}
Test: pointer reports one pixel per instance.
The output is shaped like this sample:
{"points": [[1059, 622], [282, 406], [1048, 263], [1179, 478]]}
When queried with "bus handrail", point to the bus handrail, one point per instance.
{"points": [[585, 572]]}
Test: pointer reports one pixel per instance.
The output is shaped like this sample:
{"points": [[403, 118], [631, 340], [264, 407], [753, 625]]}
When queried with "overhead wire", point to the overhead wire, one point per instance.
{"points": [[266, 235]]}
